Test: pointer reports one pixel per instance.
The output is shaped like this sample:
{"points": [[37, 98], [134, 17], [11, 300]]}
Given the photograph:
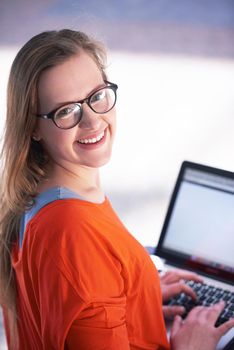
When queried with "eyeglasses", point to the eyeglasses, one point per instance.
{"points": [[100, 101]]}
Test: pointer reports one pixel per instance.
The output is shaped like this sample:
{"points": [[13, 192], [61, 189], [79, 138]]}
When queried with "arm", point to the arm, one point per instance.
{"points": [[89, 337]]}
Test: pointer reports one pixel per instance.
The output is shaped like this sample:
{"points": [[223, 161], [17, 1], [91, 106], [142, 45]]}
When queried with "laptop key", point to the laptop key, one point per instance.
{"points": [[206, 295]]}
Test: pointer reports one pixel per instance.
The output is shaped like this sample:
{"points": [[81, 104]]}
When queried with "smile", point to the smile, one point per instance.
{"points": [[92, 140]]}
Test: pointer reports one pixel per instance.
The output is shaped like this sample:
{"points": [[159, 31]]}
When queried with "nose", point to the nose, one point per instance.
{"points": [[90, 119]]}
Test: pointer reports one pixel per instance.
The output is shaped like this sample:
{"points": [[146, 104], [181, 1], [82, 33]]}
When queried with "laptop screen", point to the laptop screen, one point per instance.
{"points": [[198, 231]]}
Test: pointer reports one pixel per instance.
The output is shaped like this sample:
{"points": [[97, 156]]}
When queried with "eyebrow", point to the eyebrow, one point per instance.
{"points": [[60, 104]]}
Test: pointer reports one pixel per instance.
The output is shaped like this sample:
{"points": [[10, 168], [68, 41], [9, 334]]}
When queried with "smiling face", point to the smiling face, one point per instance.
{"points": [[90, 142]]}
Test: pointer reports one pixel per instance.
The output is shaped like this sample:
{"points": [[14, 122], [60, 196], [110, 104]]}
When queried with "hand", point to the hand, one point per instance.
{"points": [[172, 283], [197, 331]]}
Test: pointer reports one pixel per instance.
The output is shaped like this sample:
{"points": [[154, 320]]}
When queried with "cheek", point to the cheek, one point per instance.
{"points": [[110, 118], [56, 141], [113, 124]]}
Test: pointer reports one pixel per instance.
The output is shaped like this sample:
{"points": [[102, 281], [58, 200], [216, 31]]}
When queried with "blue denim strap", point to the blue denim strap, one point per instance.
{"points": [[42, 200]]}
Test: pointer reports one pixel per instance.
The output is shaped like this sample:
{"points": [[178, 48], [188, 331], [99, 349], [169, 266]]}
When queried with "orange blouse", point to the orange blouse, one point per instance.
{"points": [[84, 282]]}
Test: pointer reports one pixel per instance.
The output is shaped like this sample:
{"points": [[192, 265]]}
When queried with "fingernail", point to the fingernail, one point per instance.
{"points": [[182, 309], [178, 318]]}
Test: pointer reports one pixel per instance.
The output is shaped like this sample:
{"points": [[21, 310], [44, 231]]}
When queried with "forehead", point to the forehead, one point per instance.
{"points": [[71, 80]]}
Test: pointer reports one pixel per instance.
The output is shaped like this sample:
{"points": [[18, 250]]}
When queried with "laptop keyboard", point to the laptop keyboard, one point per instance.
{"points": [[206, 295]]}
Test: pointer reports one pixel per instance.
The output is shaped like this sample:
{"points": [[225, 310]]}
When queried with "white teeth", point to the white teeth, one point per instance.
{"points": [[93, 140]]}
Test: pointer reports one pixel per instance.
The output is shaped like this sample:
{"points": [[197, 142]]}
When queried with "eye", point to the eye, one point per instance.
{"points": [[98, 96], [65, 111]]}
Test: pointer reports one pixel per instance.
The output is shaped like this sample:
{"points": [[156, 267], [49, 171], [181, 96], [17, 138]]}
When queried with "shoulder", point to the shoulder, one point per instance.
{"points": [[62, 219], [74, 227], [64, 214], [66, 207]]}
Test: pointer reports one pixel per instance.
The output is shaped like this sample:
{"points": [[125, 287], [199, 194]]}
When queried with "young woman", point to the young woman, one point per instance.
{"points": [[72, 277]]}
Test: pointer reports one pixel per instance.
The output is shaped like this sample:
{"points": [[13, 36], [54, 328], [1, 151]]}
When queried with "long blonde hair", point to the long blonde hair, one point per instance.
{"points": [[23, 160]]}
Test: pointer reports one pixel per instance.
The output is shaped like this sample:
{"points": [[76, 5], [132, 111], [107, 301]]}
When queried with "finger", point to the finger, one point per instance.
{"points": [[177, 288], [214, 311], [167, 276], [196, 312], [225, 327], [208, 313], [170, 312], [177, 275], [176, 325]]}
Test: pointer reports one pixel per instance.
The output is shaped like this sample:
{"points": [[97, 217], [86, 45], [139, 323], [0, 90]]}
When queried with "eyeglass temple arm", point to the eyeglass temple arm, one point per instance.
{"points": [[43, 116]]}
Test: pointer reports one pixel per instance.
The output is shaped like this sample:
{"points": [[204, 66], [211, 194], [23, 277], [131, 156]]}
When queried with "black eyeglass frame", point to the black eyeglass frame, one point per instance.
{"points": [[87, 100]]}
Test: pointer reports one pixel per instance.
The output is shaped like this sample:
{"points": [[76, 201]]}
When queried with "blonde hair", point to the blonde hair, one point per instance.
{"points": [[23, 160]]}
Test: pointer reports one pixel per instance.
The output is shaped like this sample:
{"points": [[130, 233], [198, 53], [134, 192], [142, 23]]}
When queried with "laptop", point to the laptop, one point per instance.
{"points": [[198, 235]]}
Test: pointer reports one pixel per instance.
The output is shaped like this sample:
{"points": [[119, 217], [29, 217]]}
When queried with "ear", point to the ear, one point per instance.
{"points": [[36, 134], [36, 138]]}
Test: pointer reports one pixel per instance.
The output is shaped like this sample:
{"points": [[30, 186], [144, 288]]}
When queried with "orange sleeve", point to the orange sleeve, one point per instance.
{"points": [[88, 322], [83, 337], [102, 322], [147, 322], [146, 317]]}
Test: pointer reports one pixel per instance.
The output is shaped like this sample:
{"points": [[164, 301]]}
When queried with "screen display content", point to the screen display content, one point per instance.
{"points": [[201, 225]]}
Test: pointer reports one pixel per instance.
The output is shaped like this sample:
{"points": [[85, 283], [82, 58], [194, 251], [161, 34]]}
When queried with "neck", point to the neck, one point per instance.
{"points": [[85, 181]]}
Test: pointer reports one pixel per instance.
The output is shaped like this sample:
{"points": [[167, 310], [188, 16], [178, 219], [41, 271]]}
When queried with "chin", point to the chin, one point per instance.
{"points": [[97, 163]]}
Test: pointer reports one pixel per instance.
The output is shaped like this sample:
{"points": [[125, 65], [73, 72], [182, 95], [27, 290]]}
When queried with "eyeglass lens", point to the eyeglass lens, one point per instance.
{"points": [[70, 115]]}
